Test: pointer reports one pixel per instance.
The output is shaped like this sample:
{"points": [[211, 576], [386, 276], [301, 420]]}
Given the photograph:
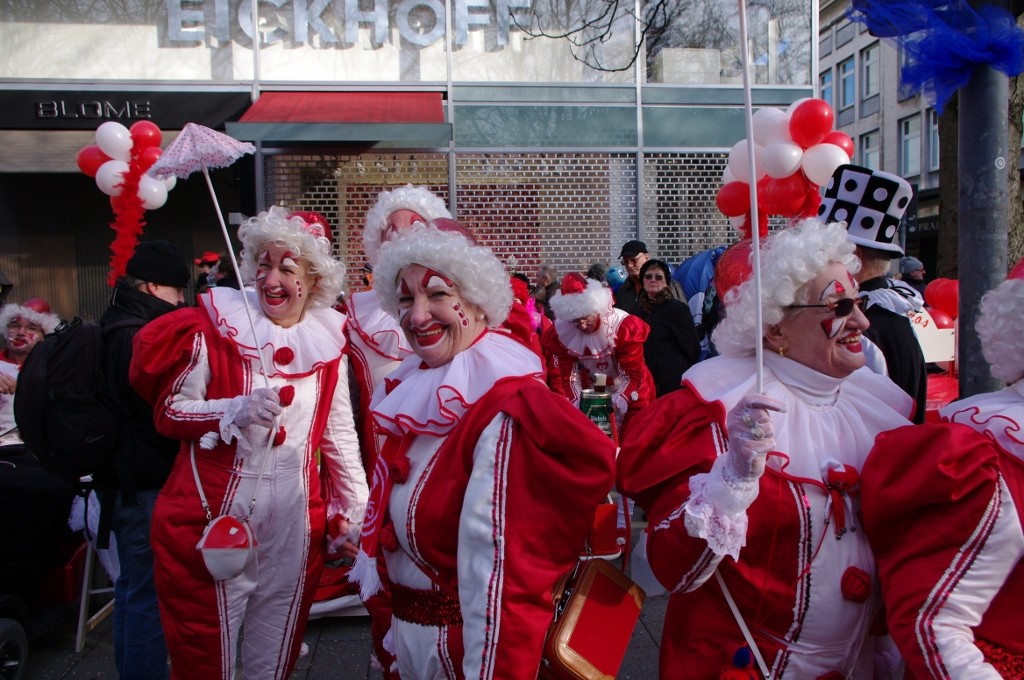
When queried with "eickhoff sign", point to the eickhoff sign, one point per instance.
{"points": [[336, 22]]}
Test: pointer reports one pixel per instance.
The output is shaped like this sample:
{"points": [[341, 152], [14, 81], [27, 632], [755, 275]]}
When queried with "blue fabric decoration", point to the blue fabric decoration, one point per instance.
{"points": [[697, 271], [944, 41]]}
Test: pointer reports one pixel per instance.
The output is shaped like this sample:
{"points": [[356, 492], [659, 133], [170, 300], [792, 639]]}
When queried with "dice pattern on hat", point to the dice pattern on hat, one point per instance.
{"points": [[871, 203]]}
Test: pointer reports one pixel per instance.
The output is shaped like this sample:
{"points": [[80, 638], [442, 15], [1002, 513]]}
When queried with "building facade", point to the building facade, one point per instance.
{"points": [[893, 131], [554, 150]]}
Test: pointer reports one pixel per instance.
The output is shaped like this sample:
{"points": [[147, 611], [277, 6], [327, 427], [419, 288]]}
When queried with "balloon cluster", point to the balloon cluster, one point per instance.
{"points": [[943, 298], [795, 153], [121, 157], [119, 161]]}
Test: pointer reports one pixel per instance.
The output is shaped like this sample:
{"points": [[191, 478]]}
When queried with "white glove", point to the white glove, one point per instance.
{"points": [[751, 436], [257, 408]]}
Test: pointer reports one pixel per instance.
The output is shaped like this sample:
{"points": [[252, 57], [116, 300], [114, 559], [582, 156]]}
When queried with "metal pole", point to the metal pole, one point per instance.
{"points": [[984, 210]]}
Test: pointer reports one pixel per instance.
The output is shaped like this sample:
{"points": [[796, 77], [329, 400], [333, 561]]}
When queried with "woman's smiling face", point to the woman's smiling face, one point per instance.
{"points": [[284, 284], [436, 319], [814, 336]]}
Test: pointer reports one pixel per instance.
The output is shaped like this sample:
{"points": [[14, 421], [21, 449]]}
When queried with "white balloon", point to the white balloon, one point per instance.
{"points": [[793, 107], [170, 182], [770, 125], [152, 192], [739, 162], [821, 160], [727, 176], [781, 159], [109, 177], [114, 140], [737, 222]]}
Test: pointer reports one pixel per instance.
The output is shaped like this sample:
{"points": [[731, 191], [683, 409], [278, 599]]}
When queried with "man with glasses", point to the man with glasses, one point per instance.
{"points": [[872, 203], [24, 327], [633, 256]]}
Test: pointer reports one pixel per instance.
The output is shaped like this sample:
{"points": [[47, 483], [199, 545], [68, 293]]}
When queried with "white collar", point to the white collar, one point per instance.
{"points": [[422, 400], [600, 343], [375, 327], [806, 383], [287, 352]]}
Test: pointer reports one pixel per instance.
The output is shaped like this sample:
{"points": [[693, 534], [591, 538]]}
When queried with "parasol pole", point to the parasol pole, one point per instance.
{"points": [[755, 231], [234, 263]]}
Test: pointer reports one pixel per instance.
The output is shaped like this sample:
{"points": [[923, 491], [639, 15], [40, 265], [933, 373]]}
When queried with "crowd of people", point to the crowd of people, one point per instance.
{"points": [[429, 433]]}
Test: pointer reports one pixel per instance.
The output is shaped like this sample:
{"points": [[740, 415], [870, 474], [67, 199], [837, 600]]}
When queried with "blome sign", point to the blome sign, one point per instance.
{"points": [[336, 23]]}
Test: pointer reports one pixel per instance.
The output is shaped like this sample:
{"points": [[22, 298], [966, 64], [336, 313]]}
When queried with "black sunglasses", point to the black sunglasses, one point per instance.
{"points": [[654, 277], [841, 308]]}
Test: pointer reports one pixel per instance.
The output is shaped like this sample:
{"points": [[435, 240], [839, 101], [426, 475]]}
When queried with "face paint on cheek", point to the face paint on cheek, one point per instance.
{"points": [[298, 288], [832, 327], [462, 316], [261, 276]]}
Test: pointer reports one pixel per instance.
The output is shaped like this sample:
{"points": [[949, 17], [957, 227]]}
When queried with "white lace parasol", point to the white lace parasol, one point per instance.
{"points": [[198, 148]]}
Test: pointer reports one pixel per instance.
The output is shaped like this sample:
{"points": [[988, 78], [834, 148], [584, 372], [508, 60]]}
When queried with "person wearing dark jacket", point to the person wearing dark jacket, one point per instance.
{"points": [[633, 256], [672, 346], [154, 284]]}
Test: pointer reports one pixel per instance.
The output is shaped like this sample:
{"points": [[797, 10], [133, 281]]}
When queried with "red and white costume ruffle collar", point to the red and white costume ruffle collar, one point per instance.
{"points": [[600, 343], [287, 352], [417, 399], [998, 414], [377, 328]]}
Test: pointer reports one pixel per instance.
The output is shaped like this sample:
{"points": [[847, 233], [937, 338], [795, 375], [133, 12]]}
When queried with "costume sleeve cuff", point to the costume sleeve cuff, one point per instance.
{"points": [[716, 510]]}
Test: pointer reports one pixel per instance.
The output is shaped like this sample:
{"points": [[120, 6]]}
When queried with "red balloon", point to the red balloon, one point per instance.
{"points": [[810, 122], [812, 200], [941, 319], [148, 156], [947, 297], [90, 158], [145, 133], [786, 195], [765, 206], [734, 199], [840, 139]]}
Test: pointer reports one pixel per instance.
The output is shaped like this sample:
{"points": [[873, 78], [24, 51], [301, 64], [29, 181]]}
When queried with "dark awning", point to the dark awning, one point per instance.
{"points": [[381, 118]]}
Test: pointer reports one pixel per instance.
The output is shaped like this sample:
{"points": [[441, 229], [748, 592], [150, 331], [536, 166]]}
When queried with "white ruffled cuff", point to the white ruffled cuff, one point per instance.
{"points": [[229, 431], [716, 510], [353, 514]]}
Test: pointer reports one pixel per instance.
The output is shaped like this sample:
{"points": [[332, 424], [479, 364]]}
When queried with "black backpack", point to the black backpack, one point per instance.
{"points": [[61, 405]]}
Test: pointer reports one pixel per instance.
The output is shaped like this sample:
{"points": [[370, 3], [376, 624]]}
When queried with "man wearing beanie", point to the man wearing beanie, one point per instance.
{"points": [[912, 273], [156, 278]]}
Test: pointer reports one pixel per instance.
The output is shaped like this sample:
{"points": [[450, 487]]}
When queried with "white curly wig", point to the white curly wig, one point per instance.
{"points": [[789, 259], [1000, 328], [30, 313], [420, 200], [481, 278], [275, 226]]}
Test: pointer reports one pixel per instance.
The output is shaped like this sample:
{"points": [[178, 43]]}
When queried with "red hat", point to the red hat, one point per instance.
{"points": [[316, 224], [520, 291], [209, 257], [733, 267], [35, 311]]}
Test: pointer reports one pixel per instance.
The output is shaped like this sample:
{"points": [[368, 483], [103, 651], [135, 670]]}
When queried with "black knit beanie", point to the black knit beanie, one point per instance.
{"points": [[159, 262]]}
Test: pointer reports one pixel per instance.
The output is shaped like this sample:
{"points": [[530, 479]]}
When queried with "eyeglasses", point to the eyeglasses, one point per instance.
{"points": [[654, 277], [631, 260], [840, 308], [14, 325]]}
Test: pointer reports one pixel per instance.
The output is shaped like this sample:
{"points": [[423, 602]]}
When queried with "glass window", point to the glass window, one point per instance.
{"points": [[847, 83], [871, 150], [698, 42], [910, 146], [933, 140], [869, 71], [825, 87]]}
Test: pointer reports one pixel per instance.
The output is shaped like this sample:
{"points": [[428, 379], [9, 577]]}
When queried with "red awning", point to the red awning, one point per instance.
{"points": [[393, 117]]}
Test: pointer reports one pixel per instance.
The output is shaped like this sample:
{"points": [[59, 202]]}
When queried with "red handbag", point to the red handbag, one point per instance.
{"points": [[596, 609]]}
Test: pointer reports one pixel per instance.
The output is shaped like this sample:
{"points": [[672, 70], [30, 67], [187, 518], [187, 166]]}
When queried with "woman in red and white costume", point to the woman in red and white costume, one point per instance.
{"points": [[943, 509], [201, 369], [760, 490], [376, 343], [485, 489], [23, 326], [590, 336]]}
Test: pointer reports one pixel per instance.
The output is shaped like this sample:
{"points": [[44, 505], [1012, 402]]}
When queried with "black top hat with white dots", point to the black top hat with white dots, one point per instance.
{"points": [[871, 203]]}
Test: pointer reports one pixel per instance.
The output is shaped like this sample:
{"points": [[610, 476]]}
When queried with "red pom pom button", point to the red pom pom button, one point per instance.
{"points": [[287, 395], [280, 436], [856, 584], [284, 356]]}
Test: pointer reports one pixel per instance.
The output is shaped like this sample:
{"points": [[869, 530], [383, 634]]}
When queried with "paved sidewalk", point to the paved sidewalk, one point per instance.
{"points": [[339, 649]]}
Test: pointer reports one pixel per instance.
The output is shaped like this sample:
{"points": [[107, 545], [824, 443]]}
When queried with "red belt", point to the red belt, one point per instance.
{"points": [[425, 607]]}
